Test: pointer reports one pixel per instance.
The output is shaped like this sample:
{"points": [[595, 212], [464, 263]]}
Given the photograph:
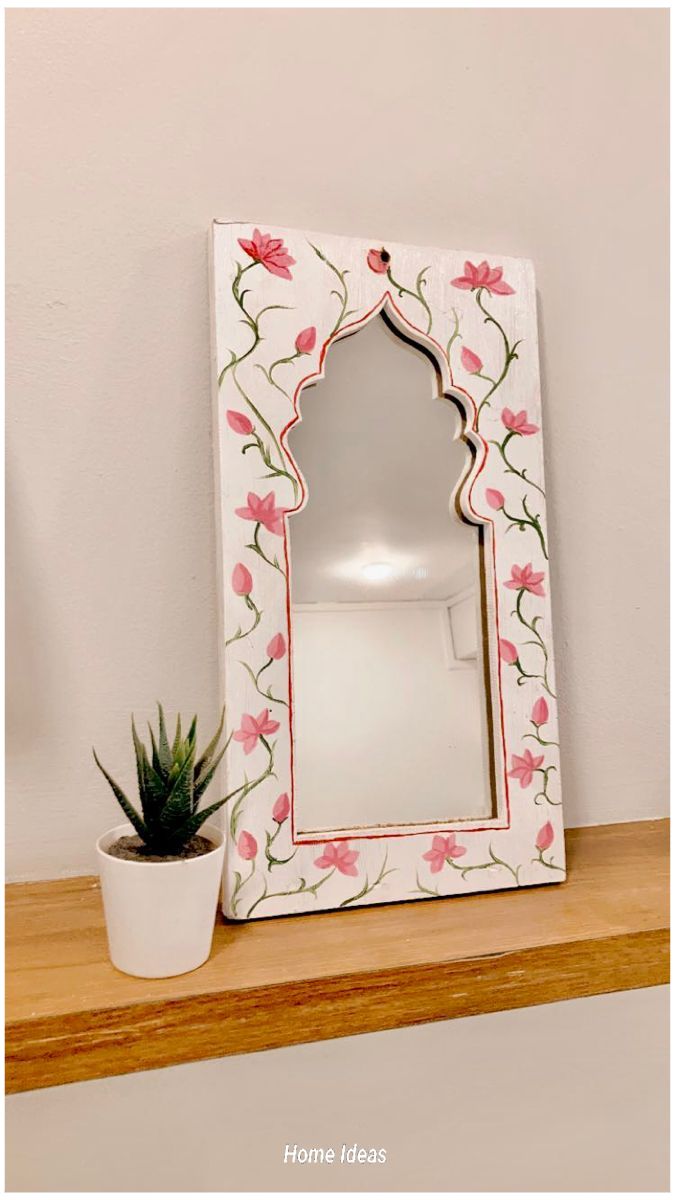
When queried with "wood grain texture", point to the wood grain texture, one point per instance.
{"points": [[72, 1016]]}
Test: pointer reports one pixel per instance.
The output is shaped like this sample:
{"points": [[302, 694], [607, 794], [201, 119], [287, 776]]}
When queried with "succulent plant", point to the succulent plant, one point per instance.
{"points": [[171, 783]]}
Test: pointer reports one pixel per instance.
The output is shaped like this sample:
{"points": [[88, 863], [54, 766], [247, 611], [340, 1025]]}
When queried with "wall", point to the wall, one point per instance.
{"points": [[528, 132], [458, 1106]]}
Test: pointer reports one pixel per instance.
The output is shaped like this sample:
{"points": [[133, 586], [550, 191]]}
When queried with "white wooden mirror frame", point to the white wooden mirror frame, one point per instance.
{"points": [[281, 298]]}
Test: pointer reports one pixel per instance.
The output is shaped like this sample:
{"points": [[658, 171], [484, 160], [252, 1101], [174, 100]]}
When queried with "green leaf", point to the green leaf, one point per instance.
{"points": [[204, 780], [197, 819], [141, 759], [156, 793], [124, 804], [156, 763], [176, 740], [165, 756], [180, 801], [206, 757], [192, 732]]}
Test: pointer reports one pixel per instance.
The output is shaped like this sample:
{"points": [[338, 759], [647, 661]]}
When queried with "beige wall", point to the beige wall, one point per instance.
{"points": [[527, 132], [562, 1098], [536, 133]]}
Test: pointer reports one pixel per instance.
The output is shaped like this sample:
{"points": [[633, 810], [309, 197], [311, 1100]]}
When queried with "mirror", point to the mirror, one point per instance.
{"points": [[390, 699]]}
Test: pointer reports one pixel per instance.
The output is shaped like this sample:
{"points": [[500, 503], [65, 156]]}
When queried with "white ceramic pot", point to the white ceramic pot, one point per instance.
{"points": [[160, 916]]}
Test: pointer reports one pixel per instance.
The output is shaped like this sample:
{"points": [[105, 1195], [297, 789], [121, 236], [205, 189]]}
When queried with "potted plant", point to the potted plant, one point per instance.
{"points": [[160, 874]]}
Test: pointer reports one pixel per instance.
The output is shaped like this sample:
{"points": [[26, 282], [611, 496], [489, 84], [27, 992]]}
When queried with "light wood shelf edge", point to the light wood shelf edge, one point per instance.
{"points": [[71, 1016]]}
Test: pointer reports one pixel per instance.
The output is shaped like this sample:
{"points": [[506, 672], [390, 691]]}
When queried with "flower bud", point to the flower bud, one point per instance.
{"points": [[277, 647], [306, 340], [379, 260], [242, 581], [239, 422], [545, 837], [281, 809], [470, 361], [508, 651]]}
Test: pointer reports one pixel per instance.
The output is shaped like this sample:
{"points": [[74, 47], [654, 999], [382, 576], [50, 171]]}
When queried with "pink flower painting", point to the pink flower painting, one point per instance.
{"points": [[470, 361], [443, 848], [239, 422], [247, 847], [379, 261], [518, 422], [277, 646], [482, 276], [494, 498], [545, 837], [269, 251], [524, 765], [263, 510], [282, 808], [306, 340], [524, 578], [488, 343], [508, 652], [242, 580], [340, 857], [253, 728]]}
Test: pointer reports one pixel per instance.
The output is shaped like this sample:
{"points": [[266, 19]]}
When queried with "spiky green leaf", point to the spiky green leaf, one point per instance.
{"points": [[141, 759], [179, 803], [192, 732], [165, 756], [124, 804], [196, 821], [156, 763], [204, 780], [206, 757], [176, 740]]}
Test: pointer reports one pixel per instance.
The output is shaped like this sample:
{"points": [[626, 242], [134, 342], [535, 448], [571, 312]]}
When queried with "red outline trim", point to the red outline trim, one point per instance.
{"points": [[463, 491]]}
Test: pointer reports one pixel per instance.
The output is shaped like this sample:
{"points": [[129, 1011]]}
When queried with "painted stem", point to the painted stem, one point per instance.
{"points": [[281, 362], [528, 519], [255, 679], [545, 771], [342, 295], [298, 891], [247, 319], [367, 888], [509, 354], [536, 736], [425, 890], [270, 838], [257, 549], [453, 337], [265, 454], [532, 626], [256, 621], [240, 882], [416, 295], [551, 865], [495, 862], [246, 788], [510, 469]]}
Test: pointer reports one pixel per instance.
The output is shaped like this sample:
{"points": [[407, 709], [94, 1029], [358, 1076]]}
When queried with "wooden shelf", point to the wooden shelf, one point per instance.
{"points": [[72, 1016]]}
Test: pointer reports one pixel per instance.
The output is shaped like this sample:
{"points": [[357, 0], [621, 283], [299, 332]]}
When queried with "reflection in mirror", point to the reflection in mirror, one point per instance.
{"points": [[389, 696]]}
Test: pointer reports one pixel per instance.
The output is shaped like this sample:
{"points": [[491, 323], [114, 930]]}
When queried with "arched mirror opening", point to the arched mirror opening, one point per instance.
{"points": [[392, 713]]}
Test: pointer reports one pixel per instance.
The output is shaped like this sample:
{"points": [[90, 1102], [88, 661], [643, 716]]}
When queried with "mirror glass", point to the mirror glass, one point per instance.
{"points": [[390, 702]]}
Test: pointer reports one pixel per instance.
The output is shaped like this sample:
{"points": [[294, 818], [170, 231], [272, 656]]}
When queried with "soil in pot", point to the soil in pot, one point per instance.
{"points": [[134, 850]]}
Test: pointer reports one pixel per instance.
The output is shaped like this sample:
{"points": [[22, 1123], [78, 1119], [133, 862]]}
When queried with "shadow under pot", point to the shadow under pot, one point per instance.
{"points": [[159, 913]]}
